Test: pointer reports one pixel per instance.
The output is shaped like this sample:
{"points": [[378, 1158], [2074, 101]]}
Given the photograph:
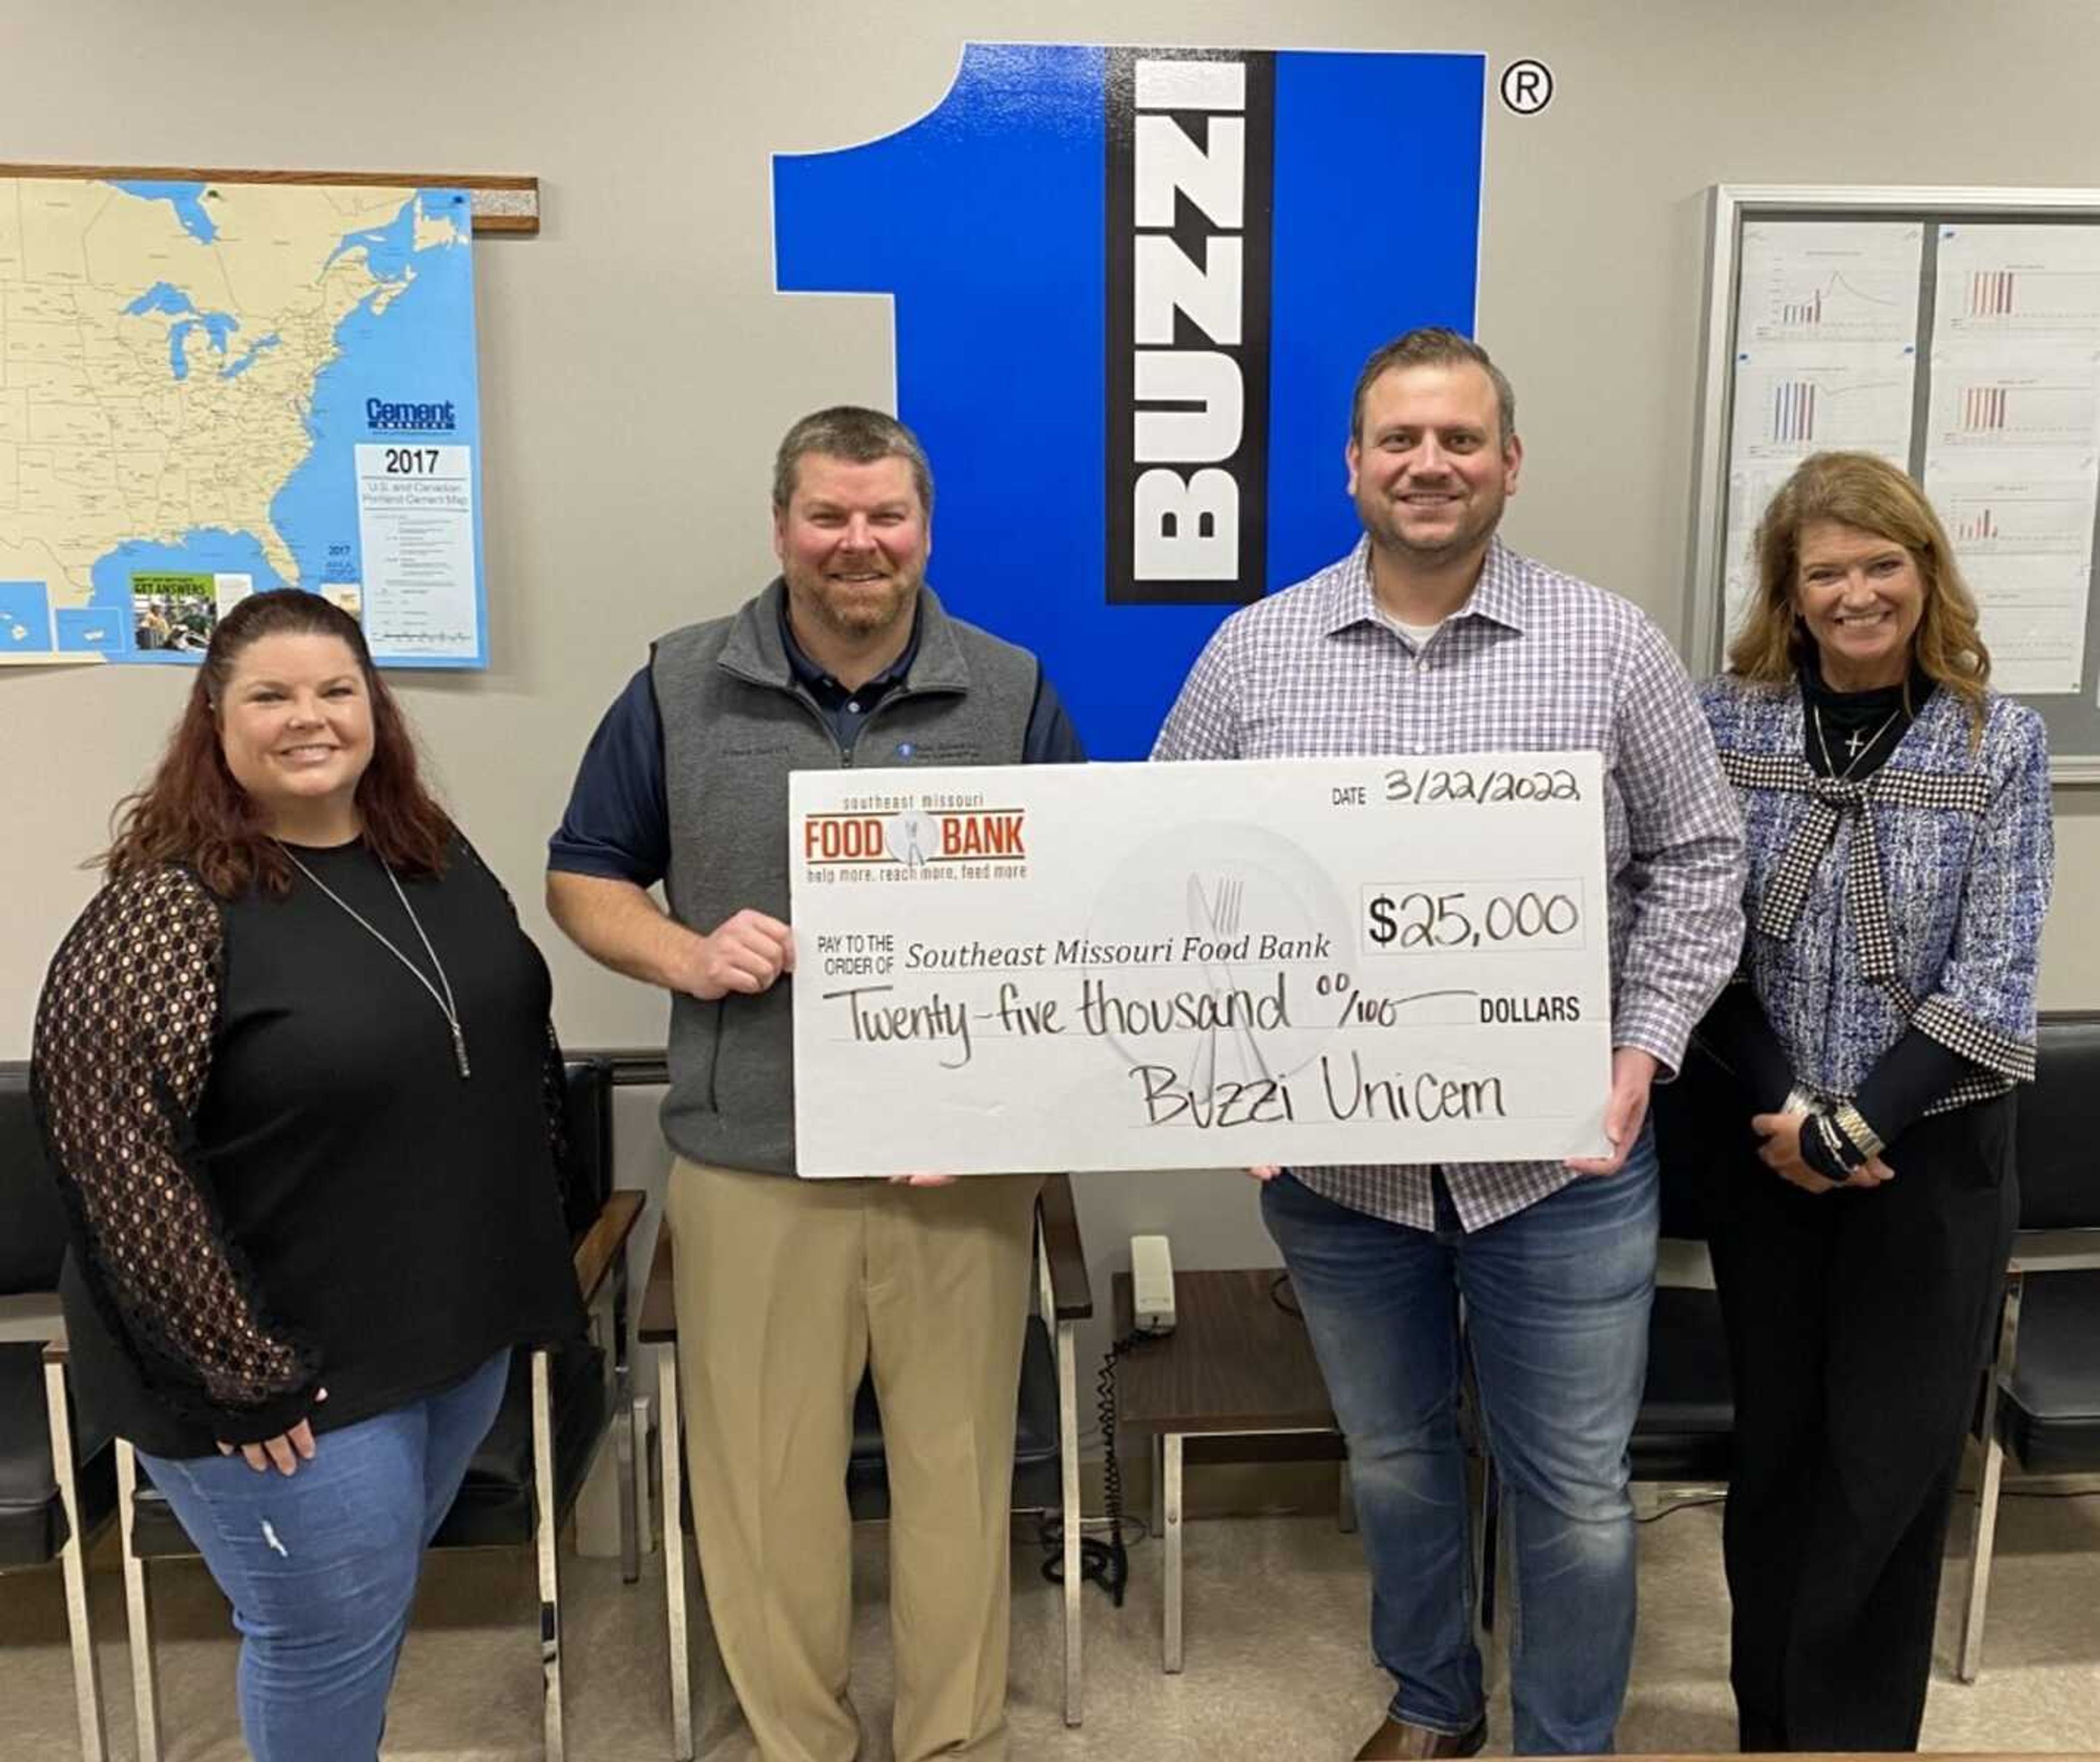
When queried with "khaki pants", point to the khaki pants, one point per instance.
{"points": [[787, 1290]]}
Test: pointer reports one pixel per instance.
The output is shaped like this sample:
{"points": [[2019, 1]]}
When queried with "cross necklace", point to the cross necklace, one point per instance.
{"points": [[1857, 745]]}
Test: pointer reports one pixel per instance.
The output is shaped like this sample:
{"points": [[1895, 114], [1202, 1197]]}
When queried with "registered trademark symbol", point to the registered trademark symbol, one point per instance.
{"points": [[1527, 87]]}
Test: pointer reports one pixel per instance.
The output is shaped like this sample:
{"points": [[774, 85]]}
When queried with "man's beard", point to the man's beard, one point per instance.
{"points": [[860, 614], [1381, 522]]}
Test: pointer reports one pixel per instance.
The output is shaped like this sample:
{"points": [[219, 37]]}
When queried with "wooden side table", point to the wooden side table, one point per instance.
{"points": [[1237, 1366]]}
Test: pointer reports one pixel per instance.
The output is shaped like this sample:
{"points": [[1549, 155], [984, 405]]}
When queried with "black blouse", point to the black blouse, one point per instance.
{"points": [[278, 1180], [1852, 734]]}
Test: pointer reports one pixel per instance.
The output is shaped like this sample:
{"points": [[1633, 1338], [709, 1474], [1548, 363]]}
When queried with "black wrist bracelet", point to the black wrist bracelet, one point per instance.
{"points": [[1820, 1149]]}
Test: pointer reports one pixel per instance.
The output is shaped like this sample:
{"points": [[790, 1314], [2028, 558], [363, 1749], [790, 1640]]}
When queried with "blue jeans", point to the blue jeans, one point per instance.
{"points": [[320, 1566], [1556, 1308]]}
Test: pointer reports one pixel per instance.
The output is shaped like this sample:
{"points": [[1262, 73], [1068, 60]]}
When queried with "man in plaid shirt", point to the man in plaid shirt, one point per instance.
{"points": [[1431, 636]]}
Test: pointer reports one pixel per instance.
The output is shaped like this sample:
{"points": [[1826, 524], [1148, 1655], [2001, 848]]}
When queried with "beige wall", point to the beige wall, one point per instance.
{"points": [[637, 367]]}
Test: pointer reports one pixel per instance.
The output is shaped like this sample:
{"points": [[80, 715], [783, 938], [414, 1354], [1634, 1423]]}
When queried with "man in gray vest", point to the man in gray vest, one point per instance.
{"points": [[787, 1291]]}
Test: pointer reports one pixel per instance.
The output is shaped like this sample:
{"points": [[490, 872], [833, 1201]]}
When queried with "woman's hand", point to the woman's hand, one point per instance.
{"points": [[1782, 1153], [922, 1181], [286, 1450], [1266, 1171]]}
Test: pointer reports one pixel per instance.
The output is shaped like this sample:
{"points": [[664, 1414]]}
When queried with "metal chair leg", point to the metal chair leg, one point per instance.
{"points": [[1068, 1428], [672, 1455], [72, 1563], [1985, 1534], [550, 1581], [645, 1496], [138, 1608], [625, 1442], [1171, 1563]]}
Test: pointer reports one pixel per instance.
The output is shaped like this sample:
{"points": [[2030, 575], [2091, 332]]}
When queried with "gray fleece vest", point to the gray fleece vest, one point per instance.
{"points": [[735, 723]]}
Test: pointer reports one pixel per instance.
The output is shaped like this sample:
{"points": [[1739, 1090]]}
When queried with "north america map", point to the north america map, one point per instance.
{"points": [[211, 389]]}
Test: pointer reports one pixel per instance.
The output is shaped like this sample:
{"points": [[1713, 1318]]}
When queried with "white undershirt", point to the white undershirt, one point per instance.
{"points": [[1418, 634]]}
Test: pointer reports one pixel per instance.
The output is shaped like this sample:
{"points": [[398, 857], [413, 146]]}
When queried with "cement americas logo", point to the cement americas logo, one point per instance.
{"points": [[1130, 289]]}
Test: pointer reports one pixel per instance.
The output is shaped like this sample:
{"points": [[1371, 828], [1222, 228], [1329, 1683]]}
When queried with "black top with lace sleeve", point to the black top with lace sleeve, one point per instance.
{"points": [[277, 1178]]}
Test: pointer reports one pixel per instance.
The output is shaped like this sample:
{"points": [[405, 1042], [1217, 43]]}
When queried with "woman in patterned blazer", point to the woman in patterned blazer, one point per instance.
{"points": [[1897, 815]]}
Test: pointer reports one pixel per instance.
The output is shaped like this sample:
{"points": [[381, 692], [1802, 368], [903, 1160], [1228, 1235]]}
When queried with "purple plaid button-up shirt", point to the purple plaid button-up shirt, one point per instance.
{"points": [[1534, 660]]}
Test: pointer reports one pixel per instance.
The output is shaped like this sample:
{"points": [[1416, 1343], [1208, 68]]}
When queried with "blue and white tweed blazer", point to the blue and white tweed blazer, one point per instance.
{"points": [[1915, 898]]}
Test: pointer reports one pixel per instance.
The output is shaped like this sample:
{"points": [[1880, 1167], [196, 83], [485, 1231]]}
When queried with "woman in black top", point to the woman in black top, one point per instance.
{"points": [[295, 1069]]}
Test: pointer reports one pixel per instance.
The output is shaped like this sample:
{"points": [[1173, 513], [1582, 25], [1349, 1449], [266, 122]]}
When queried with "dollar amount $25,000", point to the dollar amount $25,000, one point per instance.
{"points": [[1413, 920]]}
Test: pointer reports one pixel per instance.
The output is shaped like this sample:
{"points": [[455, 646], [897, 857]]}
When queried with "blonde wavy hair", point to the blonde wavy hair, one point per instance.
{"points": [[1859, 490]]}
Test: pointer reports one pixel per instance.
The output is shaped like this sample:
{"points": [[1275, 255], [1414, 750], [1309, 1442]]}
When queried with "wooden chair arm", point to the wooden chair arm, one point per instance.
{"points": [[632, 1066], [660, 1307], [606, 1241], [2055, 1251], [31, 1319], [1071, 1291]]}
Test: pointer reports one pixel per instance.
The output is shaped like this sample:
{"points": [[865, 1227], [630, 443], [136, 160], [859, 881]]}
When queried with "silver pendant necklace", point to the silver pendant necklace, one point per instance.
{"points": [[1852, 746], [443, 999]]}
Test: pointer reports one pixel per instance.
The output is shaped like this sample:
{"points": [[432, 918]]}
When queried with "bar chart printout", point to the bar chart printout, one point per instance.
{"points": [[1824, 281], [1793, 411], [2013, 465], [2013, 399], [1751, 488], [1826, 356], [2005, 282], [2012, 437], [2024, 543], [1983, 407], [2048, 518], [1793, 398], [2033, 607], [1990, 293]]}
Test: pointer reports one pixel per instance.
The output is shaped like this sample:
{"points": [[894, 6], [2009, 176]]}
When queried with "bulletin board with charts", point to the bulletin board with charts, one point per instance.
{"points": [[1955, 332]]}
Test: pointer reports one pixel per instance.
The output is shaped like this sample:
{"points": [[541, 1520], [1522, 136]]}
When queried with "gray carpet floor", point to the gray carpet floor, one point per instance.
{"points": [[1277, 1664]]}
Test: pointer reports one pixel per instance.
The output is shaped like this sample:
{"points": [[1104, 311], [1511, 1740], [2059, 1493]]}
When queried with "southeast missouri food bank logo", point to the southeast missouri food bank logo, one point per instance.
{"points": [[1131, 289], [974, 843]]}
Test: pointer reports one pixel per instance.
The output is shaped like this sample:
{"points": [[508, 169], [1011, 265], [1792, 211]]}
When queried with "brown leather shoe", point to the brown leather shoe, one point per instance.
{"points": [[1397, 1738]]}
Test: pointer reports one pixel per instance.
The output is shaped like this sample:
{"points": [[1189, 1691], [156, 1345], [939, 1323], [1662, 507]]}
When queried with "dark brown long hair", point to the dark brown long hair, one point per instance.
{"points": [[193, 811]]}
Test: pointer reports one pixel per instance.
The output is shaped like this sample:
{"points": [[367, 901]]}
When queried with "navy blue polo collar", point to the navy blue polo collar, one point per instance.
{"points": [[821, 684]]}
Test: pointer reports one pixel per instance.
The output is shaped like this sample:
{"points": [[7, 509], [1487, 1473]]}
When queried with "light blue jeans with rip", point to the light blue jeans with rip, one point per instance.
{"points": [[320, 1566], [1556, 1311]]}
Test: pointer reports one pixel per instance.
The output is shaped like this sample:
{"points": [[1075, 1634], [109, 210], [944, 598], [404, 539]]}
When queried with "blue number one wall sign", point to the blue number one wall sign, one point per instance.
{"points": [[1133, 290]]}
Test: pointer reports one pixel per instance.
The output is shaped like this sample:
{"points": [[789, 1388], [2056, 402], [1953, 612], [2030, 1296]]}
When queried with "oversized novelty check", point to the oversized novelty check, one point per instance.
{"points": [[1033, 968]]}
